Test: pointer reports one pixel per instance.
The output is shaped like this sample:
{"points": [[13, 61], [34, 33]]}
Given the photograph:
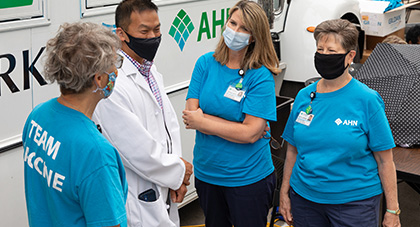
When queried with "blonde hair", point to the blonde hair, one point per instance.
{"points": [[77, 53], [261, 51], [394, 39]]}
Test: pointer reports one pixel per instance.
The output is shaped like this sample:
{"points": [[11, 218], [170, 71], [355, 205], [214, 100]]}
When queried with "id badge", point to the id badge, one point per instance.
{"points": [[304, 119], [234, 94]]}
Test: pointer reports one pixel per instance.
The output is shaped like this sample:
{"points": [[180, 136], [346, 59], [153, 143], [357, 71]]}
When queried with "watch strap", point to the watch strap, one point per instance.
{"points": [[397, 212]]}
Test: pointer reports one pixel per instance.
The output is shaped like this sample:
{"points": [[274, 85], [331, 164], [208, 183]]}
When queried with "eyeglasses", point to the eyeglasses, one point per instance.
{"points": [[273, 142], [119, 61]]}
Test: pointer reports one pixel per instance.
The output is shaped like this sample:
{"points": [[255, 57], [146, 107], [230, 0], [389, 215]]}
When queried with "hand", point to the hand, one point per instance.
{"points": [[265, 131], [188, 172], [391, 220], [178, 195], [285, 208], [192, 119]]}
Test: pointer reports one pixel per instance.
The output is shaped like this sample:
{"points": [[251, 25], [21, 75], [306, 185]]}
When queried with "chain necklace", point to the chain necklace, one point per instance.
{"points": [[68, 103]]}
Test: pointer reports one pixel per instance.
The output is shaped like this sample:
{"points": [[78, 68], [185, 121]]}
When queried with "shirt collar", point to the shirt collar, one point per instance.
{"points": [[144, 68]]}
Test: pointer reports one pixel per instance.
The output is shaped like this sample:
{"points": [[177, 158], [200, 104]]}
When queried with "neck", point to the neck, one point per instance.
{"points": [[84, 103], [236, 58], [325, 86]]}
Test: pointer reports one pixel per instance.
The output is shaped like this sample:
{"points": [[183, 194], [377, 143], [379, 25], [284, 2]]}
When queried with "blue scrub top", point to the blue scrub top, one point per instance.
{"points": [[216, 160], [335, 163]]}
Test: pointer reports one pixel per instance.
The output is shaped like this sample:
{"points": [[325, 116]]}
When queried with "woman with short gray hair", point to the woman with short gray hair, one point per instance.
{"points": [[73, 175], [339, 154]]}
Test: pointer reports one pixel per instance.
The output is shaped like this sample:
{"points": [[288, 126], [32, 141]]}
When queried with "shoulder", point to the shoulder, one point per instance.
{"points": [[45, 105], [363, 91], [206, 58], [306, 91], [98, 147], [261, 74]]}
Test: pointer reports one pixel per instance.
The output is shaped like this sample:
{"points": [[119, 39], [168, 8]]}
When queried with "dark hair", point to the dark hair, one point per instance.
{"points": [[126, 7], [344, 31], [413, 35]]}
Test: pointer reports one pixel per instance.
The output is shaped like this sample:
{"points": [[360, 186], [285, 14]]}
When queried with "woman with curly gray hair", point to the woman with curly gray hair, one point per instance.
{"points": [[73, 175]]}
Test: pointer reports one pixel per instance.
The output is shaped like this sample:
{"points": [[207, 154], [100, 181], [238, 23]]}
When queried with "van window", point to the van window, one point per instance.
{"points": [[278, 6], [20, 9], [99, 3], [22, 13]]}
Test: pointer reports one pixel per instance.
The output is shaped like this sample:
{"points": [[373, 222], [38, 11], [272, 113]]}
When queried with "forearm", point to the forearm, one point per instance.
{"points": [[388, 176], [192, 104], [237, 132], [287, 169]]}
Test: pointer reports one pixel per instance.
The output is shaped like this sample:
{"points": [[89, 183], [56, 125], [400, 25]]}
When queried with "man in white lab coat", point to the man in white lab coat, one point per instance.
{"points": [[139, 120]]}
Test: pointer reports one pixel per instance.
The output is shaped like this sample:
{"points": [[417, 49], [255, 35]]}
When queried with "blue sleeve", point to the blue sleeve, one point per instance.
{"points": [[260, 100], [289, 130], [379, 132], [102, 197], [196, 78]]}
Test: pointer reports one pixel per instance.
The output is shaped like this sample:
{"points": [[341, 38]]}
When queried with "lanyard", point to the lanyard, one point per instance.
{"points": [[241, 73], [309, 108]]}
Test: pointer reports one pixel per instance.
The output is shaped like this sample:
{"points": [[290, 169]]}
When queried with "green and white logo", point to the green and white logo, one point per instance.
{"points": [[14, 3], [181, 28]]}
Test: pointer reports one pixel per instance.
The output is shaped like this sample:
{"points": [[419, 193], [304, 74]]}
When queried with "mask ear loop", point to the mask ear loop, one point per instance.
{"points": [[97, 88]]}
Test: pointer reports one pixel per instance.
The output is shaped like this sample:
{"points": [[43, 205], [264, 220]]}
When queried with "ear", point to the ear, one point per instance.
{"points": [[121, 34], [251, 39], [351, 55], [100, 79]]}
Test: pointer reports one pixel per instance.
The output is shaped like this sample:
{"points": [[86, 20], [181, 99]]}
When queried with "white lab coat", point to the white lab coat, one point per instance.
{"points": [[131, 119]]}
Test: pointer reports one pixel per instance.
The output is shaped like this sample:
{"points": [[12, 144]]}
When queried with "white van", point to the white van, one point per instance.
{"points": [[189, 28]]}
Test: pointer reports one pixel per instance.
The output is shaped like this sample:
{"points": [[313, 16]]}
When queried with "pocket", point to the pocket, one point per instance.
{"points": [[133, 211], [155, 214]]}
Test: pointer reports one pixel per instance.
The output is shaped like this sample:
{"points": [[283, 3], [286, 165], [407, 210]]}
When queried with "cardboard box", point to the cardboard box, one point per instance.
{"points": [[371, 41], [377, 23]]}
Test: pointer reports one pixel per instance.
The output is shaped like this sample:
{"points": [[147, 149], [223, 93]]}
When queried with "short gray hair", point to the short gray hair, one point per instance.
{"points": [[343, 30], [77, 53]]}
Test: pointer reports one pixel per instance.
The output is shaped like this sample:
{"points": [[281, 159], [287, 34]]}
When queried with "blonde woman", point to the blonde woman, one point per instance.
{"points": [[230, 99]]}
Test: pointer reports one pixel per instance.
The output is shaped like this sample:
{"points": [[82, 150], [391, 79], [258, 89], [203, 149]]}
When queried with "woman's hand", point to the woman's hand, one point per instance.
{"points": [[391, 220], [193, 119], [285, 208], [266, 130]]}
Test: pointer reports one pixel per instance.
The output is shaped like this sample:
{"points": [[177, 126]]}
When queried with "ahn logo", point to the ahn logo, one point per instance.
{"points": [[346, 122], [181, 28], [14, 3]]}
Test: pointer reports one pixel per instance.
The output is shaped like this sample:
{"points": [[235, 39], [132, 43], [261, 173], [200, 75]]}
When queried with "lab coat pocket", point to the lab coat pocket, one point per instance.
{"points": [[155, 214]]}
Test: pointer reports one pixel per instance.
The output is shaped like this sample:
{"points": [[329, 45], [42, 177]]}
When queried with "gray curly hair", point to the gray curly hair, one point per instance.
{"points": [[77, 53]]}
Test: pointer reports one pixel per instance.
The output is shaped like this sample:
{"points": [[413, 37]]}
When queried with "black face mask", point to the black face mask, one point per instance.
{"points": [[144, 48], [330, 66]]}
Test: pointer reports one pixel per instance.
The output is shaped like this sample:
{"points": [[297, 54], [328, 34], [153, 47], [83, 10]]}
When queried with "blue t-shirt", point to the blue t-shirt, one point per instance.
{"points": [[335, 163], [216, 160], [73, 175]]}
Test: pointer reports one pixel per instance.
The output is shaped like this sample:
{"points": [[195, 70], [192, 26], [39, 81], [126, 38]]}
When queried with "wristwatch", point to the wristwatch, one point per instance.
{"points": [[396, 212]]}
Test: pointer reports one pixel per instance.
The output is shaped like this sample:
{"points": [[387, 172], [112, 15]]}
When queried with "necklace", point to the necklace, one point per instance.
{"points": [[69, 104]]}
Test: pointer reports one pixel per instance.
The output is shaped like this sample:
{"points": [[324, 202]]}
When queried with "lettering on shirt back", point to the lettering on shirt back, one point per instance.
{"points": [[49, 145]]}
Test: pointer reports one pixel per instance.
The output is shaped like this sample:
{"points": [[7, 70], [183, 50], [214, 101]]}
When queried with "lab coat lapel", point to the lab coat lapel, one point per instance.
{"points": [[130, 70]]}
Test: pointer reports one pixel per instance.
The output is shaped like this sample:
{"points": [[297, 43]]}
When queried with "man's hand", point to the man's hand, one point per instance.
{"points": [[178, 195], [188, 172]]}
